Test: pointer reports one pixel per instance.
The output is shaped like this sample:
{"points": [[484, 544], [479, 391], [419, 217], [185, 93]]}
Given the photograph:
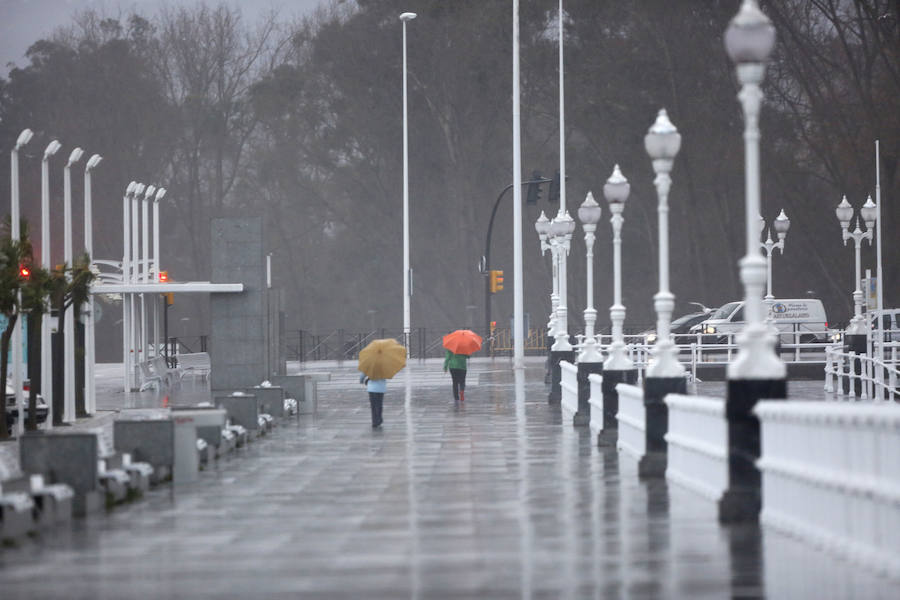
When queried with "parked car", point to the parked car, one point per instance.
{"points": [[681, 325], [801, 319], [890, 324], [12, 411]]}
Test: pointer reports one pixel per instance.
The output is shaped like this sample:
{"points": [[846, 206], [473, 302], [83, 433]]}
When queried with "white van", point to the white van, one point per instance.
{"points": [[802, 320]]}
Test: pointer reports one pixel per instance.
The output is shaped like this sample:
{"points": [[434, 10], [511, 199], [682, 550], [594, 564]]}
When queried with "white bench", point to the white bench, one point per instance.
{"points": [[196, 364]]}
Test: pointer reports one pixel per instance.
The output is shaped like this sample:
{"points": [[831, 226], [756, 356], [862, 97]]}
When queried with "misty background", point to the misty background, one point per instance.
{"points": [[295, 114]]}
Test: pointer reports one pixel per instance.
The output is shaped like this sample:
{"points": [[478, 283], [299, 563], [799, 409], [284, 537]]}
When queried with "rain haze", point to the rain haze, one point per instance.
{"points": [[438, 298]]}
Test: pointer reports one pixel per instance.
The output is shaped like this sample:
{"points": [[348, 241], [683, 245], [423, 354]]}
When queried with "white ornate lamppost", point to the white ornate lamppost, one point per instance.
{"points": [[15, 232], [868, 212], [781, 226], [542, 226], [46, 354], [589, 214], [757, 372], [561, 229], [590, 359], [69, 327], [665, 375], [616, 191]]}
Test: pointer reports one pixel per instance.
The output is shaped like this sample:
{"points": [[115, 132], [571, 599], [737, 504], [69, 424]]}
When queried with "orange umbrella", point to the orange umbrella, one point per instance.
{"points": [[462, 341]]}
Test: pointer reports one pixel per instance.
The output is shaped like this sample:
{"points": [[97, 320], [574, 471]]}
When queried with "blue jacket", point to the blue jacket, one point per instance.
{"points": [[378, 386]]}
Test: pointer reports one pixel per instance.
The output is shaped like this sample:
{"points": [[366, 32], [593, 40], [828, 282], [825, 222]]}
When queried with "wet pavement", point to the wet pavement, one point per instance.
{"points": [[492, 498]]}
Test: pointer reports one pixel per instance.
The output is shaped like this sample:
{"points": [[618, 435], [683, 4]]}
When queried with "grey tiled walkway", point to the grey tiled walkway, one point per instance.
{"points": [[491, 499]]}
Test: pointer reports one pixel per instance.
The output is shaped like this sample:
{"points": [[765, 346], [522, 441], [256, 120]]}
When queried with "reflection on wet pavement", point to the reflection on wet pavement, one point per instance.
{"points": [[490, 498]]}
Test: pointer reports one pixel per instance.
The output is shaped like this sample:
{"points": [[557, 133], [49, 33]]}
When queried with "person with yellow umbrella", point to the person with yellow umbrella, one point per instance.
{"points": [[379, 361], [459, 345]]}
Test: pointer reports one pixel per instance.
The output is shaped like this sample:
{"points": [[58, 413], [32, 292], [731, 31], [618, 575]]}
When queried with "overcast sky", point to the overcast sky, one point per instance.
{"points": [[22, 22]]}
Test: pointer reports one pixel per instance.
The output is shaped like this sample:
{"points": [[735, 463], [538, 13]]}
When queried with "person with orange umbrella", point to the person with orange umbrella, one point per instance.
{"points": [[459, 345]]}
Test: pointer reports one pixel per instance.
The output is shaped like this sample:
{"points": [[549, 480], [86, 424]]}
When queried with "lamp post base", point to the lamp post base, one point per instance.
{"points": [[742, 500], [653, 463], [556, 373], [609, 433], [583, 416]]}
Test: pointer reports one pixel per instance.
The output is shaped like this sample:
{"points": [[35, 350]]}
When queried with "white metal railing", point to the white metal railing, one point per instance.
{"points": [[873, 378], [569, 385], [697, 442], [830, 474], [632, 418], [697, 350]]}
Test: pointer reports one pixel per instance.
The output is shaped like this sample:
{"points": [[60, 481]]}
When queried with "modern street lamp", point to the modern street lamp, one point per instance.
{"points": [[16, 234], [757, 372], [160, 193], [69, 328], [518, 268], [844, 213], [616, 191], [46, 354], [126, 277], [90, 357], [405, 17], [145, 265], [542, 226], [134, 263], [781, 226]]}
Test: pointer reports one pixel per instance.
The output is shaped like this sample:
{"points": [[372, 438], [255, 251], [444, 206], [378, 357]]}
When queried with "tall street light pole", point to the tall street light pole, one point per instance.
{"points": [[405, 17], [90, 358], [160, 193], [757, 372], [16, 233], [135, 262], [518, 271], [145, 266], [126, 275], [46, 339], [69, 329], [781, 226]]}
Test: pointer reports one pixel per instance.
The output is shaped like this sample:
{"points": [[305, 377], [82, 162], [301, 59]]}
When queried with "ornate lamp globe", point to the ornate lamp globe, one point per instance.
{"points": [[542, 225], [568, 223], [750, 36], [589, 212], [782, 224], [869, 212], [844, 213], [662, 141], [761, 223], [616, 190]]}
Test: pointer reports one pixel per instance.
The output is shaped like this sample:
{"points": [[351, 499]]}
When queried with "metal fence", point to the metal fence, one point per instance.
{"points": [[302, 345]]}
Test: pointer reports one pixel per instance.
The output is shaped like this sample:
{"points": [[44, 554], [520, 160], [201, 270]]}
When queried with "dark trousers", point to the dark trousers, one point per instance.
{"points": [[459, 381], [376, 400]]}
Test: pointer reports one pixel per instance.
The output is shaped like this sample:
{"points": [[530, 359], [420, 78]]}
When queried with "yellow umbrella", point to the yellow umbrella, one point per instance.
{"points": [[382, 359]]}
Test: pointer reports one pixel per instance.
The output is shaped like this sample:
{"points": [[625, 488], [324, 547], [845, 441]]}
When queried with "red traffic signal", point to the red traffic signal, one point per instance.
{"points": [[163, 276], [24, 272]]}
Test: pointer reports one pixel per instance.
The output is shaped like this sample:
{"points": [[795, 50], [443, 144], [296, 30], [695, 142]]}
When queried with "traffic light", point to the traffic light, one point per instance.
{"points": [[534, 188], [24, 271], [496, 281], [163, 276], [553, 194]]}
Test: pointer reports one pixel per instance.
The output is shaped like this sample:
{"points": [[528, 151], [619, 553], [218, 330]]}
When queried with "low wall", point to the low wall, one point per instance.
{"points": [[632, 420], [596, 402], [569, 388], [830, 474], [698, 444]]}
